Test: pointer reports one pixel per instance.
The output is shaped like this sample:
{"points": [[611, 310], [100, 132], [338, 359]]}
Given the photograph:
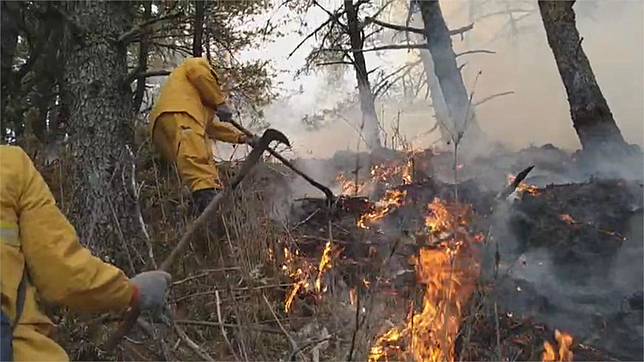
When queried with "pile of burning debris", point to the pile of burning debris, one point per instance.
{"points": [[437, 271]]}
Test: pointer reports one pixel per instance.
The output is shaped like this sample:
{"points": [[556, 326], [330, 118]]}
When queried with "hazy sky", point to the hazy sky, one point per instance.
{"points": [[537, 113]]}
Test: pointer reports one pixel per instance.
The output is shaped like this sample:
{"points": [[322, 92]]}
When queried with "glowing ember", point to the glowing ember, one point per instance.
{"points": [[392, 200], [525, 188], [297, 270], [307, 277], [386, 345], [448, 270], [389, 173], [349, 186], [384, 173], [353, 296], [408, 172], [564, 354], [567, 219]]}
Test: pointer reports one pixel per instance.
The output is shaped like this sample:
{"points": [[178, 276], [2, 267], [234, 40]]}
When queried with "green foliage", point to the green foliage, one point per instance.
{"points": [[44, 31]]}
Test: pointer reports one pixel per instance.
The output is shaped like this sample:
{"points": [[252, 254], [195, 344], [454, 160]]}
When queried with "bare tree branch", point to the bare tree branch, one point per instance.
{"points": [[138, 29], [394, 26], [508, 11], [331, 19], [153, 73], [410, 29], [482, 51], [407, 68], [379, 10], [489, 98], [333, 63], [331, 15], [384, 47]]}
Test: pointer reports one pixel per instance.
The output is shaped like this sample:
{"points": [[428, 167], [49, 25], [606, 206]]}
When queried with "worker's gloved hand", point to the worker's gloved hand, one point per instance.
{"points": [[150, 291], [224, 112], [251, 140]]}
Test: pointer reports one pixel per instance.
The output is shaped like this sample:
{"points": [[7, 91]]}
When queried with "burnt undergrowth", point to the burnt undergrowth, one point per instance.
{"points": [[253, 285]]}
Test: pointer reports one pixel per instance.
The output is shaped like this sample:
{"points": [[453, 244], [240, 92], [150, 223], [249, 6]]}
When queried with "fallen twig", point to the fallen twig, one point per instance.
{"points": [[228, 325], [288, 336], [312, 343], [192, 344], [203, 274], [221, 325], [355, 330]]}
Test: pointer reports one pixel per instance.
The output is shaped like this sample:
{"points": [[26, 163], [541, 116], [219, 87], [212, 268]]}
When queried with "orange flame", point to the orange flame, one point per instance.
{"points": [[350, 187], [386, 345], [325, 265], [307, 277], [392, 200], [525, 188], [564, 354], [449, 271], [408, 172], [297, 270]]}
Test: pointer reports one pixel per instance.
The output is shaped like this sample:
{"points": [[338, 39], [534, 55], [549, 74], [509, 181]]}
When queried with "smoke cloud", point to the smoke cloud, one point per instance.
{"points": [[537, 112]]}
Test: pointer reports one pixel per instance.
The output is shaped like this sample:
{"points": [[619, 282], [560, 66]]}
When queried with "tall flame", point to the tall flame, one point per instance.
{"points": [[564, 354], [448, 270], [307, 277], [325, 265]]}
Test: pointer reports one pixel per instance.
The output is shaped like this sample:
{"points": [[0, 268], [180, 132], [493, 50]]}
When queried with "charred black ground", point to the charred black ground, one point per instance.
{"points": [[569, 258]]}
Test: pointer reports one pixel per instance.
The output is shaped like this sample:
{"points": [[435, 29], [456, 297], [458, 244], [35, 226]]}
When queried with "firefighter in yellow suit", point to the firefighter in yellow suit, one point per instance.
{"points": [[192, 108], [42, 259]]}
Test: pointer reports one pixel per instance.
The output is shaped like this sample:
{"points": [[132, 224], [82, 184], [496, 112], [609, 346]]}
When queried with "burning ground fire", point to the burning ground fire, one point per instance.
{"points": [[387, 174], [448, 268], [563, 354], [350, 187], [525, 188], [307, 277], [392, 200]]}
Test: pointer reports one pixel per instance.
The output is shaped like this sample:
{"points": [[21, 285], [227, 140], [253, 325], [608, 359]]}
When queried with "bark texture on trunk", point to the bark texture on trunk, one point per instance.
{"points": [[144, 50], [99, 101], [10, 11], [589, 110], [441, 113], [197, 40], [446, 70], [371, 130]]}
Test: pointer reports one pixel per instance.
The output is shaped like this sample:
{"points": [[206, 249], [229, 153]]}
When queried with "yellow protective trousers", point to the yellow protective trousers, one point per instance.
{"points": [[182, 140]]}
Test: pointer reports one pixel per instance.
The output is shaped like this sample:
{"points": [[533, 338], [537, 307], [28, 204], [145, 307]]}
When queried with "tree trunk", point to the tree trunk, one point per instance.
{"points": [[589, 110], [441, 113], [370, 128], [99, 102], [197, 40], [10, 12], [449, 76], [142, 67]]}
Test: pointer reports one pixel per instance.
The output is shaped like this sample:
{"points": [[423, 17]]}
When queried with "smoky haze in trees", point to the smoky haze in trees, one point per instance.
{"points": [[537, 112]]}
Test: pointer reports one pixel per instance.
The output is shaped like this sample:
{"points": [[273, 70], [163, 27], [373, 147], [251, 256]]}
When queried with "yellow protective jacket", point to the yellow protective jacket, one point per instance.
{"points": [[193, 88], [38, 242]]}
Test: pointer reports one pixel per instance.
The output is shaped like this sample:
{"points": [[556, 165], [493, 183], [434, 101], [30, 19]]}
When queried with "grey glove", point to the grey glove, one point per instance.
{"points": [[151, 288], [224, 112]]}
